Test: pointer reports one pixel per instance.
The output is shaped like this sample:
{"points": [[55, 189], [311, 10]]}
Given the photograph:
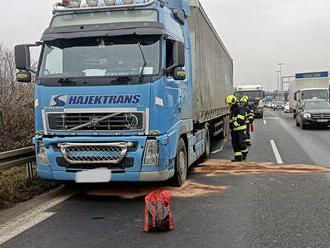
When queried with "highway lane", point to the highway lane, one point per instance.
{"points": [[256, 211], [294, 145]]}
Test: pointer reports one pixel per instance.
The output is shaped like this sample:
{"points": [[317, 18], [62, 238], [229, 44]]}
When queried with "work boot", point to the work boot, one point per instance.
{"points": [[237, 159], [244, 157]]}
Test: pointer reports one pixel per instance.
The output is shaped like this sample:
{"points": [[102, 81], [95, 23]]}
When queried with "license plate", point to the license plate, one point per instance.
{"points": [[101, 175], [322, 120]]}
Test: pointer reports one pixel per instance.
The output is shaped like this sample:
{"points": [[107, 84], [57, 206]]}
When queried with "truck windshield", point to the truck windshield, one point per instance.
{"points": [[101, 57], [310, 94], [251, 94]]}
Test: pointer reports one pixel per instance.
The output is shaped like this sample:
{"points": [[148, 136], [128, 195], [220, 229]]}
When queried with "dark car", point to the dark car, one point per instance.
{"points": [[278, 105], [314, 113]]}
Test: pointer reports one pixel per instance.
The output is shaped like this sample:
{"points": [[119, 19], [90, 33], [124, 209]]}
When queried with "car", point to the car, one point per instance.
{"points": [[287, 108], [278, 105], [268, 104], [313, 112]]}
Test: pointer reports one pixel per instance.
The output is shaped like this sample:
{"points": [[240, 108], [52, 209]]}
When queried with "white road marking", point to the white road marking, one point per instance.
{"points": [[276, 153], [29, 219], [223, 145], [272, 118], [265, 122]]}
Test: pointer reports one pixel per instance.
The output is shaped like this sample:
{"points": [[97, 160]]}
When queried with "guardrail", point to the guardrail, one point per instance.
{"points": [[24, 156]]}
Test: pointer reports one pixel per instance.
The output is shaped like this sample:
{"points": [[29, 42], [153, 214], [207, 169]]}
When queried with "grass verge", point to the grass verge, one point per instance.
{"points": [[15, 187]]}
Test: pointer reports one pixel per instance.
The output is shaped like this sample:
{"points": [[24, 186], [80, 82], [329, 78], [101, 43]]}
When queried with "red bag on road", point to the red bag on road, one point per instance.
{"points": [[252, 127], [158, 215]]}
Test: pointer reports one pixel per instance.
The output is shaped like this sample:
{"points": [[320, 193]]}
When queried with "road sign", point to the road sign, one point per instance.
{"points": [[312, 75]]}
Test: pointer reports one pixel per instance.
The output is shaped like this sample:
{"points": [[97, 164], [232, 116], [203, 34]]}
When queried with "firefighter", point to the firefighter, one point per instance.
{"points": [[238, 127], [249, 115]]}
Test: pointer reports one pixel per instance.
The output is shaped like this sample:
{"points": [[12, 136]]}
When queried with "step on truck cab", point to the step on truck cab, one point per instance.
{"points": [[127, 90]]}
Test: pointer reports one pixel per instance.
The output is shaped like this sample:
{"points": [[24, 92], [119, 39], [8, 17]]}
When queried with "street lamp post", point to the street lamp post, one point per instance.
{"points": [[278, 83], [281, 80]]}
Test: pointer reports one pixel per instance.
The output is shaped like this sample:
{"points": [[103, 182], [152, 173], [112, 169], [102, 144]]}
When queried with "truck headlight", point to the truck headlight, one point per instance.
{"points": [[42, 154], [151, 154], [307, 115]]}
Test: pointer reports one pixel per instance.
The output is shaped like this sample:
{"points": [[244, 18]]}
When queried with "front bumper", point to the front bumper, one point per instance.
{"points": [[315, 122], [157, 176], [259, 113], [130, 170]]}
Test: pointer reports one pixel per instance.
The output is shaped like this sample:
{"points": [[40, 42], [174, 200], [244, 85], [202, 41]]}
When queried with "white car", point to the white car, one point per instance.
{"points": [[287, 108]]}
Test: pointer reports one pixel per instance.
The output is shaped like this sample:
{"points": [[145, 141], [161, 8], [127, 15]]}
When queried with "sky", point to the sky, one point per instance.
{"points": [[259, 34]]}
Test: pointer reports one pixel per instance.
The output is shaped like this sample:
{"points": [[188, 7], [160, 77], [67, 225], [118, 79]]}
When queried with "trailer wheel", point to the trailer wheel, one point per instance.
{"points": [[181, 165], [226, 129], [207, 152]]}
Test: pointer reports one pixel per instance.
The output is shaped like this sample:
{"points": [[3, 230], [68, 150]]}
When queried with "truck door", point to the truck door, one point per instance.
{"points": [[177, 87]]}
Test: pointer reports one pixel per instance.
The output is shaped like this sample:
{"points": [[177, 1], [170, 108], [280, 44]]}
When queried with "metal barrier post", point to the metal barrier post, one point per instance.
{"points": [[2, 125], [29, 169]]}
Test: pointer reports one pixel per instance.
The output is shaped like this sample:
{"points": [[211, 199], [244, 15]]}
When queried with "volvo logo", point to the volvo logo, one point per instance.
{"points": [[132, 121], [94, 122]]}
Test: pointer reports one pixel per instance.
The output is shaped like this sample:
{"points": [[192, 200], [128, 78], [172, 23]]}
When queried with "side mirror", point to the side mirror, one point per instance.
{"points": [[181, 54], [23, 76], [179, 74], [22, 57], [178, 55]]}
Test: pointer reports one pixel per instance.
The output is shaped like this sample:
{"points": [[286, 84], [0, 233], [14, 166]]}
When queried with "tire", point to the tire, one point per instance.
{"points": [[181, 165], [226, 129], [302, 125], [207, 153]]}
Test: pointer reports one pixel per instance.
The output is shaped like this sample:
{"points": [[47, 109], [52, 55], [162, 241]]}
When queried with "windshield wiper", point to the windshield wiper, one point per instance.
{"points": [[145, 62], [66, 81]]}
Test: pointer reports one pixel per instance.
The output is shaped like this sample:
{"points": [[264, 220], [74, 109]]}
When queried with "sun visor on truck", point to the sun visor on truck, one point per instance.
{"points": [[118, 29]]}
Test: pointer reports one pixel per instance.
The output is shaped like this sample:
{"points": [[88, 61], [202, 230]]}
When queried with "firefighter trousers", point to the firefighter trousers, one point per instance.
{"points": [[248, 134], [239, 144]]}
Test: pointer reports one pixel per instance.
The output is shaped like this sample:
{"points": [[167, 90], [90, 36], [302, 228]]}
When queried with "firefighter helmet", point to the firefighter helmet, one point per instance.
{"points": [[231, 99], [245, 99]]}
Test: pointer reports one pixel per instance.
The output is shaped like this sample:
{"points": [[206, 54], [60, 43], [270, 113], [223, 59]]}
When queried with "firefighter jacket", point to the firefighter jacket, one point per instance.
{"points": [[237, 122], [249, 114]]}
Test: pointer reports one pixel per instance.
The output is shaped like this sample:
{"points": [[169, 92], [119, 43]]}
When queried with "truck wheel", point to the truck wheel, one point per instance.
{"points": [[206, 155], [181, 165]]}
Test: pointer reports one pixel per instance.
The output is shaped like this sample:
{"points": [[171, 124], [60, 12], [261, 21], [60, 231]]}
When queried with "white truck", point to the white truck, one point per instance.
{"points": [[313, 85], [256, 96]]}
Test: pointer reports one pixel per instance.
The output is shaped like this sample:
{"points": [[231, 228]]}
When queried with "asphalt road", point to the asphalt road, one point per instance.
{"points": [[256, 211]]}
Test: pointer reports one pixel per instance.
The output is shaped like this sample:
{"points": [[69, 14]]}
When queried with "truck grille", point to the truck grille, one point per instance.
{"points": [[95, 122], [90, 153], [321, 116]]}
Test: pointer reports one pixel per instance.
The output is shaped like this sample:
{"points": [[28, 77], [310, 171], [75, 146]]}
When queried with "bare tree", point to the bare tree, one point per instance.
{"points": [[16, 103]]}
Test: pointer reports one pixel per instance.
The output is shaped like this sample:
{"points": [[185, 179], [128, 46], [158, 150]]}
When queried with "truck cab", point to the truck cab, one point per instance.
{"points": [[306, 94], [114, 89], [256, 96]]}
